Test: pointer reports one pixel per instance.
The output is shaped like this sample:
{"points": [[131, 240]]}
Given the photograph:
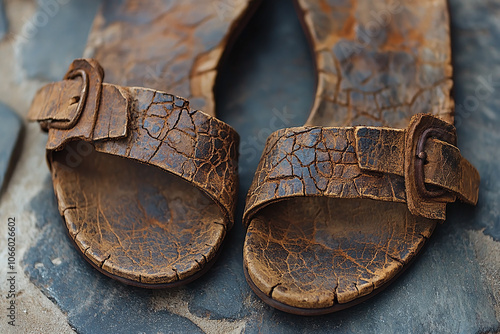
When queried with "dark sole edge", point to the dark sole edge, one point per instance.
{"points": [[337, 307]]}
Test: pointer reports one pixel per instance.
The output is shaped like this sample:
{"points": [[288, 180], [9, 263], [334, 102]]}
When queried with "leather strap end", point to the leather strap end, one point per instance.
{"points": [[448, 169], [56, 101]]}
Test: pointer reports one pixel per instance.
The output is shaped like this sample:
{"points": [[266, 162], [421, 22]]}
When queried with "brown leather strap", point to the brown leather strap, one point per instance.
{"points": [[366, 162], [152, 127]]}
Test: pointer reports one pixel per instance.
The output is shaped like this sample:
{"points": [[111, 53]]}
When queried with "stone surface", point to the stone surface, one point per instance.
{"points": [[267, 84], [10, 131], [475, 33], [4, 25], [46, 48]]}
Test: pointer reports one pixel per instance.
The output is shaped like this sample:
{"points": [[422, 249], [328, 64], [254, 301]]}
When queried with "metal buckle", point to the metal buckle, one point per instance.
{"points": [[421, 157], [81, 102]]}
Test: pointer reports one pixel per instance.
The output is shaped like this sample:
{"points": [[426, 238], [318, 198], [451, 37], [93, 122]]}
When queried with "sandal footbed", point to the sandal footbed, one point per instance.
{"points": [[136, 221]]}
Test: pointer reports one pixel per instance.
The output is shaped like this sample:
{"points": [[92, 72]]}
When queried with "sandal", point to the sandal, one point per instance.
{"points": [[340, 207], [146, 184]]}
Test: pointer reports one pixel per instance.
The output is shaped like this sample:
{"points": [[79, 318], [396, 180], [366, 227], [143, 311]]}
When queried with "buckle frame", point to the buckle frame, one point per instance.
{"points": [[421, 157], [81, 102]]}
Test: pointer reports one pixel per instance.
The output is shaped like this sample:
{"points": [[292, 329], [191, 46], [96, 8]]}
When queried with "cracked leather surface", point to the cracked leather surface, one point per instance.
{"points": [[317, 252], [134, 221], [181, 44], [329, 221], [199, 148], [356, 162], [151, 200], [130, 219], [315, 161], [379, 62]]}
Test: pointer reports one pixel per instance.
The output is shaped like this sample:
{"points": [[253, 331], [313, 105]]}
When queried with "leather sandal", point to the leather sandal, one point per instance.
{"points": [[340, 207], [146, 183]]}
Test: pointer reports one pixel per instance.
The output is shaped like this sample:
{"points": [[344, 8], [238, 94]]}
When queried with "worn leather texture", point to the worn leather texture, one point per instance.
{"points": [[145, 181], [95, 189], [379, 62], [181, 44], [359, 162], [335, 211], [155, 128]]}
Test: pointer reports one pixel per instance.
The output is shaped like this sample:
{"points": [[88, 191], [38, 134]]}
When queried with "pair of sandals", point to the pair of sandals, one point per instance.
{"points": [[147, 184]]}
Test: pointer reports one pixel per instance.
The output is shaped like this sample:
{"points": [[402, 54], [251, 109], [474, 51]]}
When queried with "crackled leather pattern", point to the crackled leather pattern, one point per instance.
{"points": [[378, 64], [152, 127], [180, 42], [359, 162], [315, 161], [166, 133], [136, 221], [318, 252], [125, 213]]}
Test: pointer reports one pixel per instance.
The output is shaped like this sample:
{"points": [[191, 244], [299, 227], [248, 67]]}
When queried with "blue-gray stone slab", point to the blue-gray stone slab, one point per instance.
{"points": [[54, 36], [476, 41], [267, 83], [4, 25], [10, 131]]}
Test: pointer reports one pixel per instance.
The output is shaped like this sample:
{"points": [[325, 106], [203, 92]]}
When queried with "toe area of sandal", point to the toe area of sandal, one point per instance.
{"points": [[319, 255], [135, 222]]}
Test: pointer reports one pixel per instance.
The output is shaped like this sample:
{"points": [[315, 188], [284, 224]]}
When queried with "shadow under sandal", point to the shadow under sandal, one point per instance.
{"points": [[340, 207], [146, 184]]}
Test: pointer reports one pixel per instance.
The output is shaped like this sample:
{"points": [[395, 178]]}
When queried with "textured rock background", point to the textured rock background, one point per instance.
{"points": [[267, 83]]}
